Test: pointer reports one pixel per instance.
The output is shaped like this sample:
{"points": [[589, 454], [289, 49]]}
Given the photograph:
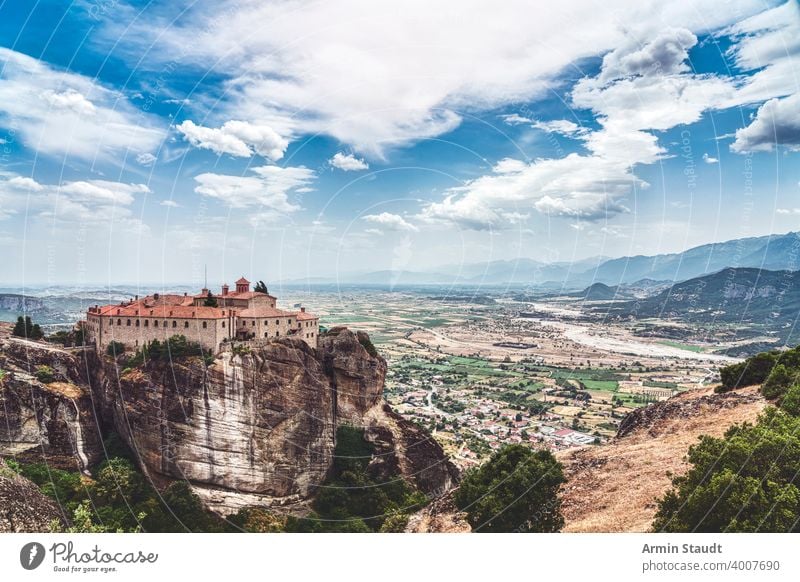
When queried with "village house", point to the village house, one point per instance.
{"points": [[206, 318]]}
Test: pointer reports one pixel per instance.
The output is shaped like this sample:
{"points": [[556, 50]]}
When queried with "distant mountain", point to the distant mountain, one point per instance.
{"points": [[733, 295], [599, 292], [774, 252]]}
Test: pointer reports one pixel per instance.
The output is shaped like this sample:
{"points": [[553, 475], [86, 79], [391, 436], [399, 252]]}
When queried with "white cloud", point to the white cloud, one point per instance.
{"points": [[390, 221], [515, 119], [97, 202], [348, 162], [146, 159], [666, 54], [268, 189], [385, 76], [169, 204], [788, 211], [562, 126], [776, 123], [375, 231], [237, 138], [709, 160], [62, 113]]}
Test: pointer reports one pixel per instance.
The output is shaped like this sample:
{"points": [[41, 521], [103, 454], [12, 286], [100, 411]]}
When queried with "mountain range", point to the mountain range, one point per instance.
{"points": [[772, 252]]}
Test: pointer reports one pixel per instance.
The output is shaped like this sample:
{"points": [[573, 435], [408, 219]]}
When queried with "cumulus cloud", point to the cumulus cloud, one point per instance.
{"points": [[788, 211], [390, 221], [269, 188], [348, 162], [709, 160], [169, 204], [777, 123], [237, 138], [388, 76], [58, 113], [96, 202], [666, 54]]}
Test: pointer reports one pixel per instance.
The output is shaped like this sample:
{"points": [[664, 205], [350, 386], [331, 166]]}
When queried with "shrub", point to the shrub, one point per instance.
{"points": [[115, 348], [790, 403], [743, 482], [516, 490], [752, 371], [778, 381], [45, 374], [364, 340]]}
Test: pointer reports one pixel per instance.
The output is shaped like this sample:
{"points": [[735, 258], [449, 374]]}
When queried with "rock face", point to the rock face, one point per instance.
{"points": [[23, 508], [260, 422], [441, 516], [50, 420], [403, 448], [255, 426]]}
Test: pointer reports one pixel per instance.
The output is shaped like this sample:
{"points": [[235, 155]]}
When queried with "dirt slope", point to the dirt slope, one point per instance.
{"points": [[613, 488]]}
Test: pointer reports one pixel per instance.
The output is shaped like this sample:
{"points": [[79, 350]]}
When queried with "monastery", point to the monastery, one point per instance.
{"points": [[241, 315]]}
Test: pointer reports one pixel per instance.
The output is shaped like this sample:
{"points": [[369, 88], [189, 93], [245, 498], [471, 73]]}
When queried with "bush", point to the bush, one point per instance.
{"points": [[752, 371], [354, 500], [45, 374], [364, 340], [516, 490], [115, 348], [743, 482], [778, 381], [790, 403]]}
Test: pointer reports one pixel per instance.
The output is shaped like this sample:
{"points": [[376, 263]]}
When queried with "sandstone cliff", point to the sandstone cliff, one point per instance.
{"points": [[614, 487], [52, 419], [256, 426]]}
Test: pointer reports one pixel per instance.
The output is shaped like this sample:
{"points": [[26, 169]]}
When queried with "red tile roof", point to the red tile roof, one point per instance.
{"points": [[242, 281]]}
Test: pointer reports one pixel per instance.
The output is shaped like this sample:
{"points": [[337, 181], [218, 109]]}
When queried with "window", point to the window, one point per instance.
{"points": [[289, 322], [129, 323], [110, 322], [204, 325], [165, 323], [185, 324], [223, 324], [266, 334], [266, 322], [137, 323], [147, 323], [155, 323], [253, 323], [277, 333], [277, 322], [174, 323]]}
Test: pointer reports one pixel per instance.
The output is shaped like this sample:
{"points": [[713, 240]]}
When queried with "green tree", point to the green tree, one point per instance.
{"points": [[261, 288], [743, 482], [24, 327], [516, 490], [790, 403], [752, 371], [778, 381], [210, 301]]}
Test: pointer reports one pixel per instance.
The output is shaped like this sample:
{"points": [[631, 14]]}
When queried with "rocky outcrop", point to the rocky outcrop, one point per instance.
{"points": [[402, 448], [23, 508], [256, 421], [440, 516], [356, 376], [257, 425], [46, 409], [614, 487]]}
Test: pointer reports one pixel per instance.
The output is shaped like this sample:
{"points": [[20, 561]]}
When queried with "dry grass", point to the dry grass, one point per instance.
{"points": [[614, 487]]}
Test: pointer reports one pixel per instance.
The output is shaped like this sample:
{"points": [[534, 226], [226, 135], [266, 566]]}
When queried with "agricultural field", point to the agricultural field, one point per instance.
{"points": [[483, 374]]}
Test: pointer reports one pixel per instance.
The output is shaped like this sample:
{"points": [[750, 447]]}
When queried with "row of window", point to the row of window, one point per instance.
{"points": [[155, 323], [243, 323]]}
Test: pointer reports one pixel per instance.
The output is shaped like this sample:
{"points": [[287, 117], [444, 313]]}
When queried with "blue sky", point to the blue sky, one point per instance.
{"points": [[140, 141]]}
